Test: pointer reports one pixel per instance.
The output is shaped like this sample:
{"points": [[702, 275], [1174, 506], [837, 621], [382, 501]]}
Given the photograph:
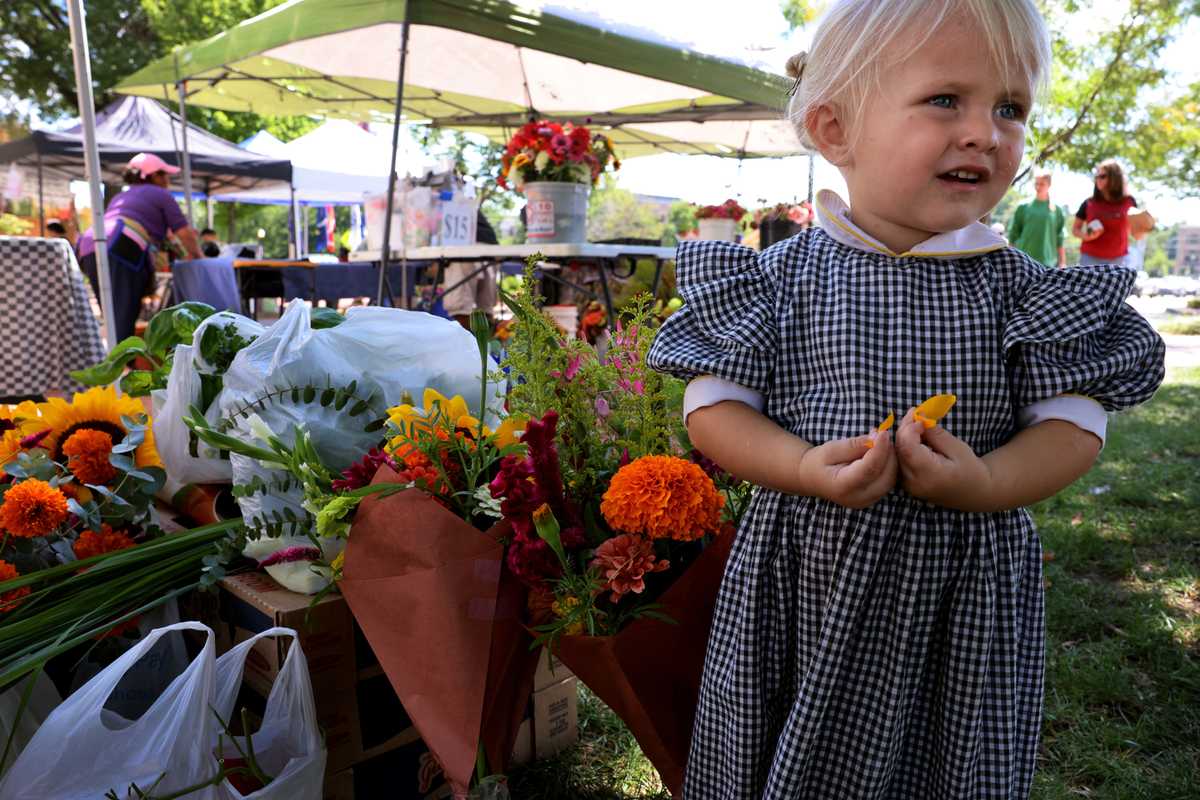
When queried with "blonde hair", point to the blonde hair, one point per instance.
{"points": [[847, 59]]}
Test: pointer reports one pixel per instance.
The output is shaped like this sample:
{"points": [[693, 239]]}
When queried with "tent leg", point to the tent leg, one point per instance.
{"points": [[294, 228], [87, 114], [385, 256], [811, 169], [187, 162], [41, 199]]}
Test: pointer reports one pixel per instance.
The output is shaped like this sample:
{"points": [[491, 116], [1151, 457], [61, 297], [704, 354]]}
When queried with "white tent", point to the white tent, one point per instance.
{"points": [[335, 164]]}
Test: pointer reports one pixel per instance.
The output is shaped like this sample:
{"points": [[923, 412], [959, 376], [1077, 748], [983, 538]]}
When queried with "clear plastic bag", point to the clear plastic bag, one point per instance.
{"points": [[83, 750], [188, 460], [288, 743], [385, 353]]}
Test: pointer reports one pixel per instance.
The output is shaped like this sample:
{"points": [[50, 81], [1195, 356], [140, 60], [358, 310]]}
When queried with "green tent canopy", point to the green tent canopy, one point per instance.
{"points": [[485, 66]]}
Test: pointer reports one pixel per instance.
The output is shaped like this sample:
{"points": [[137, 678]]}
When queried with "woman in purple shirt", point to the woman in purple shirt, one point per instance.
{"points": [[137, 222]]}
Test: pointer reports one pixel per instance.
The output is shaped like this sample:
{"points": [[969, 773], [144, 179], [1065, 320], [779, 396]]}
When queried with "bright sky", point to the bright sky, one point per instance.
{"points": [[757, 32]]}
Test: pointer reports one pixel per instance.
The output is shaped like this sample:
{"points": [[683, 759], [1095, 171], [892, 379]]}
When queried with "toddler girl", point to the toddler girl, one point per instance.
{"points": [[879, 632]]}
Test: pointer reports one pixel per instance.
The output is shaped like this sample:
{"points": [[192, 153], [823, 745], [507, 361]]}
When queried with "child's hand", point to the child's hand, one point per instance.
{"points": [[847, 472], [937, 466]]}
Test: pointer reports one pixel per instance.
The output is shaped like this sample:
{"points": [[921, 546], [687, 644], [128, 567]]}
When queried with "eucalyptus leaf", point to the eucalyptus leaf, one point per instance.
{"points": [[121, 462]]}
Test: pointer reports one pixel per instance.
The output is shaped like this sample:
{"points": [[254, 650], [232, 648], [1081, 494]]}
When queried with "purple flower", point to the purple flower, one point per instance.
{"points": [[602, 409], [639, 387]]}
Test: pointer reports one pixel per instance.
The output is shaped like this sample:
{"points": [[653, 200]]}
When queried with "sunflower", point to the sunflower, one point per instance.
{"points": [[99, 409], [16, 422]]}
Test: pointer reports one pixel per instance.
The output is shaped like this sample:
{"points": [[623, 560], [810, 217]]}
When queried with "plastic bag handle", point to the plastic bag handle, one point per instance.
{"points": [[232, 664]]}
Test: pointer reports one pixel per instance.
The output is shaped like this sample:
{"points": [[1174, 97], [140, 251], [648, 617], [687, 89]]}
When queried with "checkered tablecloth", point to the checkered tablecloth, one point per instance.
{"points": [[47, 327]]}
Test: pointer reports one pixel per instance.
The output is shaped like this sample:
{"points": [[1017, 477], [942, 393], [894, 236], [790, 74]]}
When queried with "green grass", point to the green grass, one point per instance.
{"points": [[1122, 710], [1187, 327]]}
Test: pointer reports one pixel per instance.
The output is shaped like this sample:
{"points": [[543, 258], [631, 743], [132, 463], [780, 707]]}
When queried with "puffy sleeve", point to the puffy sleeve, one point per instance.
{"points": [[727, 324], [1071, 332]]}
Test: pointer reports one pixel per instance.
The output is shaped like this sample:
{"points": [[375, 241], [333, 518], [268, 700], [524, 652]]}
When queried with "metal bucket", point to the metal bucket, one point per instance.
{"points": [[556, 211]]}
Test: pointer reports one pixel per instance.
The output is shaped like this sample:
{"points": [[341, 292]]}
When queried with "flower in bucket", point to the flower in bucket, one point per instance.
{"points": [[730, 209], [552, 151], [663, 497]]}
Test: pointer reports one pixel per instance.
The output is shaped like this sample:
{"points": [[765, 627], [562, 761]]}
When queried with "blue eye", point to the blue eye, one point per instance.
{"points": [[1013, 111], [942, 100]]}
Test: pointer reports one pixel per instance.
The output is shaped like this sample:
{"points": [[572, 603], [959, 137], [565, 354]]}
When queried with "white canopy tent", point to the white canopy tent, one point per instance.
{"points": [[335, 164], [481, 67]]}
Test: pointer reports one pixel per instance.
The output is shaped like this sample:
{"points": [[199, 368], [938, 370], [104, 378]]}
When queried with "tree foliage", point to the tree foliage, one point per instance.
{"points": [[123, 36], [35, 51], [1110, 95], [1097, 107], [616, 213]]}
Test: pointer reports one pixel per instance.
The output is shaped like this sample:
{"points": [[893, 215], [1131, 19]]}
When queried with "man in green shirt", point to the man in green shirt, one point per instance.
{"points": [[1038, 227]]}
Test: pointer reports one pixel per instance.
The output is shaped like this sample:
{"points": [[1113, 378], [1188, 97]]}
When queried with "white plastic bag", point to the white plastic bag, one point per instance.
{"points": [[82, 750], [172, 437], [288, 744], [43, 699], [384, 352]]}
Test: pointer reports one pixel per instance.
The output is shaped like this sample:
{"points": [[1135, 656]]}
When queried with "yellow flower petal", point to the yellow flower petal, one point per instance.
{"points": [[933, 409]]}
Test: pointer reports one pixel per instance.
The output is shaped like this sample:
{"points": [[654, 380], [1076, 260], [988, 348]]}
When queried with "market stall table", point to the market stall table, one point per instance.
{"points": [[608, 257], [290, 279]]}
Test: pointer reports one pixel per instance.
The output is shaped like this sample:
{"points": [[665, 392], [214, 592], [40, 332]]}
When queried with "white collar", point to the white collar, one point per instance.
{"points": [[834, 217]]}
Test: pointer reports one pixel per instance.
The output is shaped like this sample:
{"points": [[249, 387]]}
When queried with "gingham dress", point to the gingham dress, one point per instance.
{"points": [[894, 651]]}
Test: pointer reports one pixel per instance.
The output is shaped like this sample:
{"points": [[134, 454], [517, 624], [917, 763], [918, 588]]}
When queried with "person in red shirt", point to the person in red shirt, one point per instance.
{"points": [[1102, 222]]}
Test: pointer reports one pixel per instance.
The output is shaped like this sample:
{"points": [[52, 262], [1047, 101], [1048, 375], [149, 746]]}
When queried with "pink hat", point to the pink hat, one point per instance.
{"points": [[148, 164]]}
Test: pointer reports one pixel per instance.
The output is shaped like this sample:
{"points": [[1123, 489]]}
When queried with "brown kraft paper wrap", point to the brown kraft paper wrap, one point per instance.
{"points": [[649, 673], [443, 615]]}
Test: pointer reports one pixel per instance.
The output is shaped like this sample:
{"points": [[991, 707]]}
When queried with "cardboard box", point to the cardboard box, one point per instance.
{"points": [[359, 712], [549, 671], [555, 718], [406, 773], [523, 745]]}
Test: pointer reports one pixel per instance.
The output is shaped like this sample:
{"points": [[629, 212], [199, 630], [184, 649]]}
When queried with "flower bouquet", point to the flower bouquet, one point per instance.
{"points": [[619, 529], [461, 664], [557, 152]]}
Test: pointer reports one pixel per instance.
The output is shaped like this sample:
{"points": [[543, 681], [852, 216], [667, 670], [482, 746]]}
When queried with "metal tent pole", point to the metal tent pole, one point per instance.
{"points": [[294, 228], [811, 157], [41, 199], [385, 257], [87, 115], [187, 161]]}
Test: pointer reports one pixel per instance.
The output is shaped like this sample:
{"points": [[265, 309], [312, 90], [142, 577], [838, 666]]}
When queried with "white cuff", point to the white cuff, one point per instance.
{"points": [[1082, 412], [708, 390]]}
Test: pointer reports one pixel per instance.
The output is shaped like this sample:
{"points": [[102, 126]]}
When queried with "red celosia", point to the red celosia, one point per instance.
{"points": [[623, 561], [363, 471]]}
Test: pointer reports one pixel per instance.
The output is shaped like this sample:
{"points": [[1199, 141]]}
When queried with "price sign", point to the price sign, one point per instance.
{"points": [[539, 219], [458, 222]]}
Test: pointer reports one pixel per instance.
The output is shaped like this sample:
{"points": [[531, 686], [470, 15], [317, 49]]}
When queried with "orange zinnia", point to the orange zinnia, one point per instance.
{"points": [[106, 540], [32, 508], [10, 600], [87, 452], [663, 497]]}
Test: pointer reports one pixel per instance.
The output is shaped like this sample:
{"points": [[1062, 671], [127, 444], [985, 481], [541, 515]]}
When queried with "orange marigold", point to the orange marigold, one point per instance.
{"points": [[10, 600], [87, 452], [106, 540], [663, 497], [32, 508]]}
